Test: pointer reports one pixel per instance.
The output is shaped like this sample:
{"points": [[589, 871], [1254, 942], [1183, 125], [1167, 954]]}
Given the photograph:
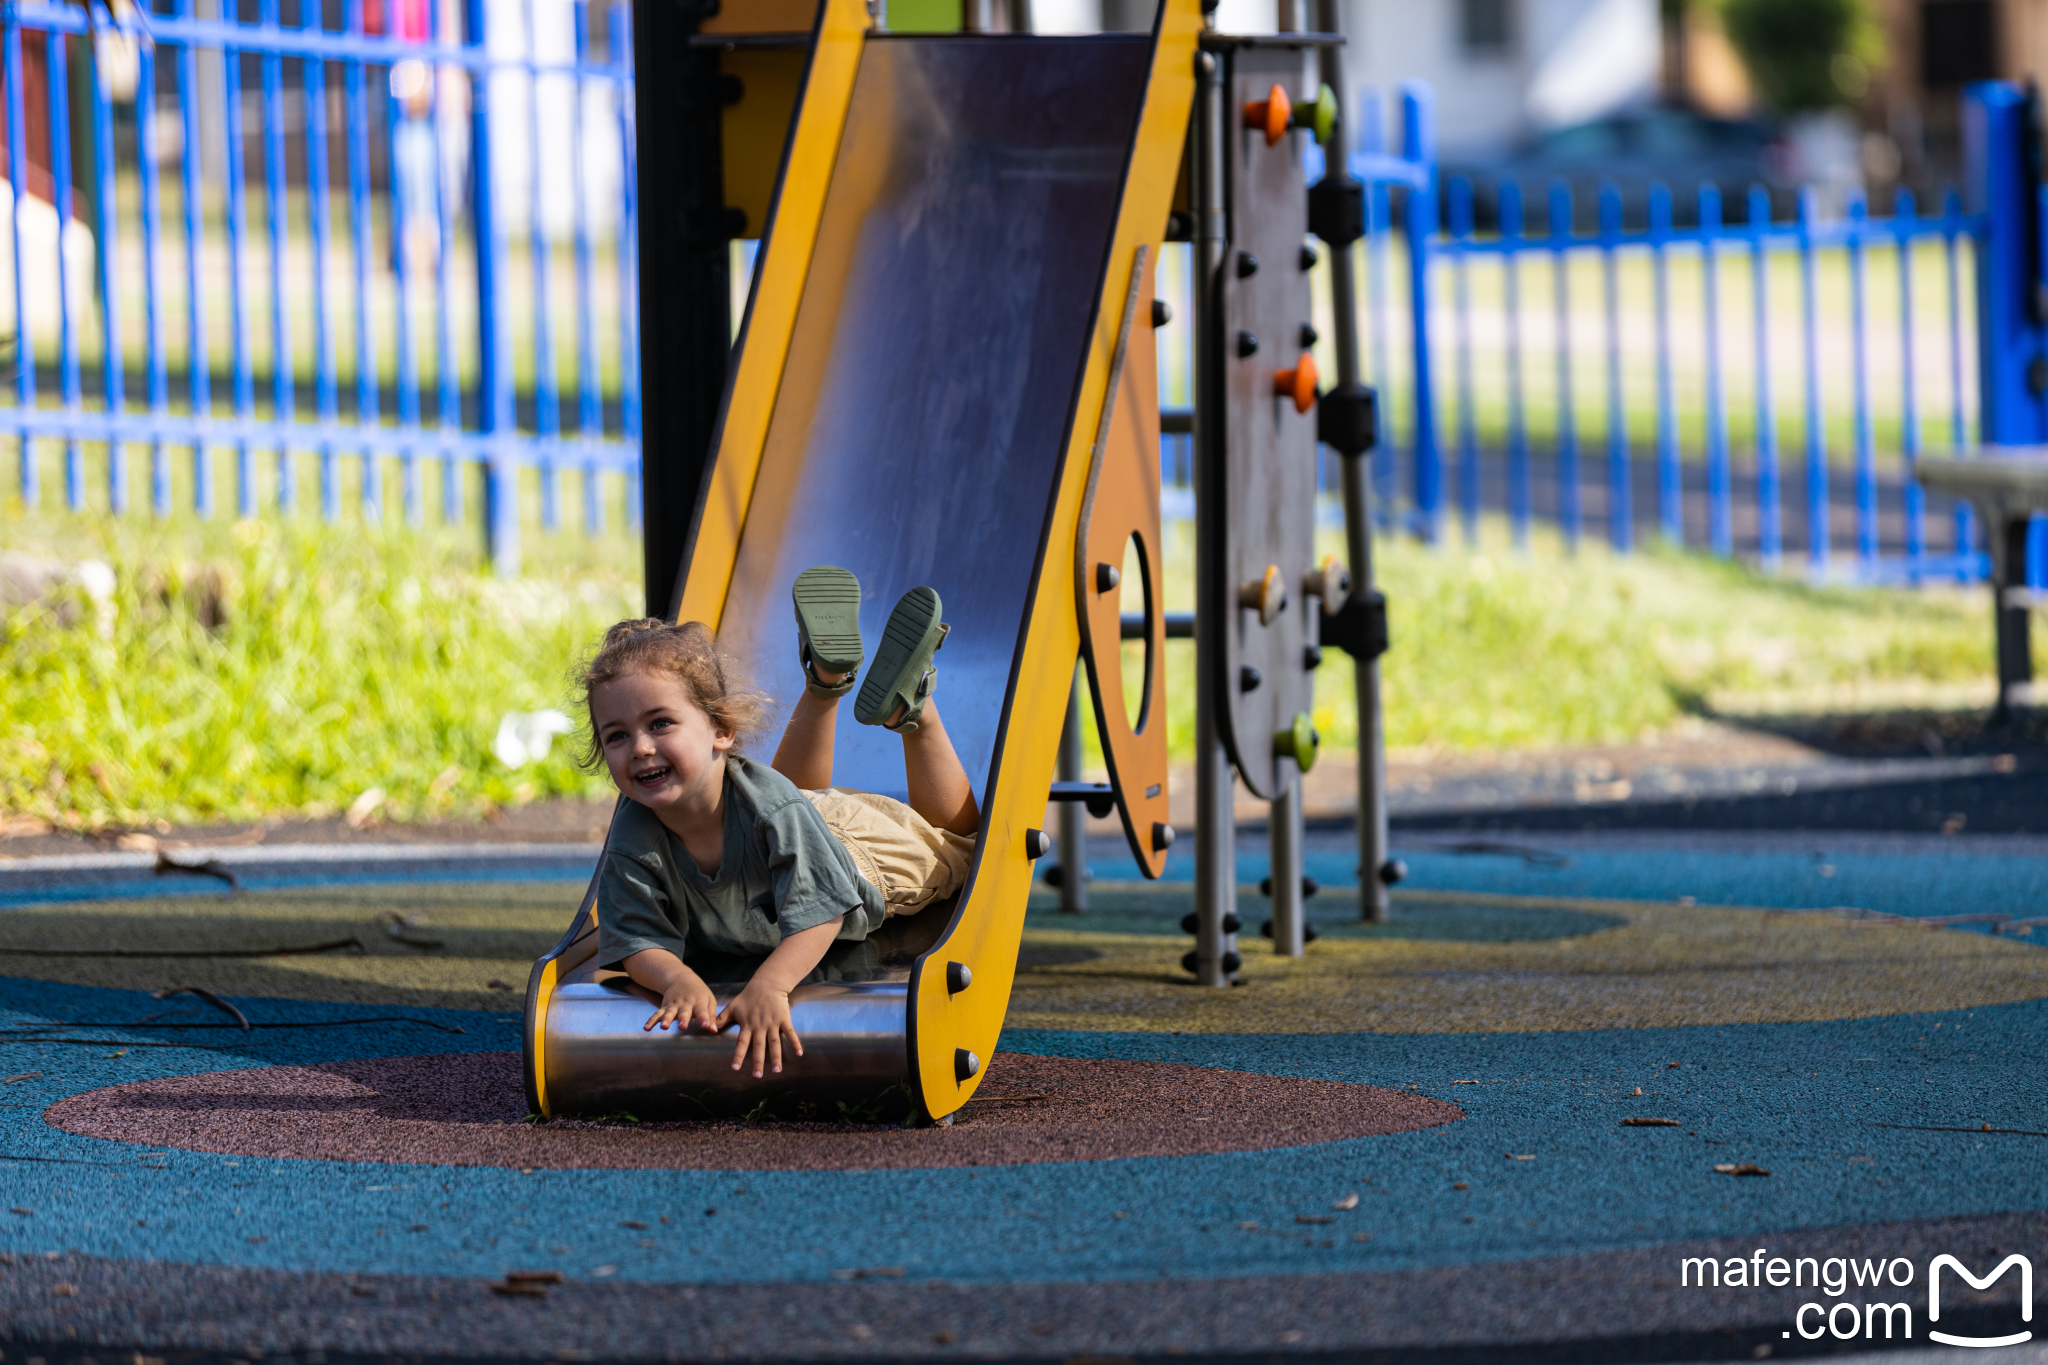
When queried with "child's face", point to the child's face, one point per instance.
{"points": [[661, 749]]}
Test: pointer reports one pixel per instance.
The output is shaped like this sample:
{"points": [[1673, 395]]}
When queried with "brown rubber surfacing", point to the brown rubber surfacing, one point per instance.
{"points": [[468, 1109]]}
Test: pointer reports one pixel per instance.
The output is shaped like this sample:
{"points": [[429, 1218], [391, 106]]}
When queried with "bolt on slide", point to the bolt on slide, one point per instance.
{"points": [[946, 377]]}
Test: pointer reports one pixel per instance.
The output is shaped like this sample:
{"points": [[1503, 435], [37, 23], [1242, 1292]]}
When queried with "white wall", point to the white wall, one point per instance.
{"points": [[1571, 60]]}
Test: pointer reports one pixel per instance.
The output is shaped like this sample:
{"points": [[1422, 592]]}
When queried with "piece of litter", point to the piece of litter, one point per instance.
{"points": [[1349, 1201], [24, 1076], [1740, 1168], [1651, 1123], [1514, 1156], [1313, 1218]]}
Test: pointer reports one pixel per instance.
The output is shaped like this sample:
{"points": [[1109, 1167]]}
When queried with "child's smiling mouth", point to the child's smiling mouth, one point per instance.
{"points": [[653, 777]]}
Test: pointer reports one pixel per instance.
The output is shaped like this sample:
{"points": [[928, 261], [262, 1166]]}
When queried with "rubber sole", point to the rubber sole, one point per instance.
{"points": [[908, 643], [828, 617]]}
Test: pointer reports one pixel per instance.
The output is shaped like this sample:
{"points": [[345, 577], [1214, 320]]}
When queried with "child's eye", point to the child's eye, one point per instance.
{"points": [[661, 723]]}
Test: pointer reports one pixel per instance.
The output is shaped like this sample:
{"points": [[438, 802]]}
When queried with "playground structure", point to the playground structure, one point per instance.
{"points": [[895, 405]]}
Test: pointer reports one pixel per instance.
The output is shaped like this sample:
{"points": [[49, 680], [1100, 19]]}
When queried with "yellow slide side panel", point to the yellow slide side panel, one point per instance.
{"points": [[986, 936], [540, 1035], [791, 234]]}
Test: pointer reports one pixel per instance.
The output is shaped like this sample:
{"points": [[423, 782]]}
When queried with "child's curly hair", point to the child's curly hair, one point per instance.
{"points": [[718, 685]]}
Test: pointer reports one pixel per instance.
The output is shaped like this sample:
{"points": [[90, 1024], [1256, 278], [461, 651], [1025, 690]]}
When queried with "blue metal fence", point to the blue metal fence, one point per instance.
{"points": [[376, 121], [1437, 237]]}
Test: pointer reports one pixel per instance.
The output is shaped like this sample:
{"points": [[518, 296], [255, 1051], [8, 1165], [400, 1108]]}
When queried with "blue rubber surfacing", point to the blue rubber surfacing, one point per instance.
{"points": [[1798, 1099]]}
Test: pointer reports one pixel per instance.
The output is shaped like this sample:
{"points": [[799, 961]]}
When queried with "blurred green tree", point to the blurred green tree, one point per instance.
{"points": [[1806, 55]]}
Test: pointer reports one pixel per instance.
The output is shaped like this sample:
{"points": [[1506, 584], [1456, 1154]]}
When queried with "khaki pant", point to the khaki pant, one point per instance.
{"points": [[911, 861]]}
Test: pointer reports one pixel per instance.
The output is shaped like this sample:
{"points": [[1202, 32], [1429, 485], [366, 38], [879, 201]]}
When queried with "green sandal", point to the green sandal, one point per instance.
{"points": [[902, 671], [828, 627]]}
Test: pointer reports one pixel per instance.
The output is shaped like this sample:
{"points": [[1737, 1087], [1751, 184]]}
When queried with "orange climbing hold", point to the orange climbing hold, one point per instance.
{"points": [[1272, 115], [1298, 383]]}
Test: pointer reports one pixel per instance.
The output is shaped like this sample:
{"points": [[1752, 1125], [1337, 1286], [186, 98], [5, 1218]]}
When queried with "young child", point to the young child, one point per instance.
{"points": [[720, 869]]}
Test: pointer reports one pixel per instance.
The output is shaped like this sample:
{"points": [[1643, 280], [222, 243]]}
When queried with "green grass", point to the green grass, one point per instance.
{"points": [[1496, 649], [261, 667], [269, 667]]}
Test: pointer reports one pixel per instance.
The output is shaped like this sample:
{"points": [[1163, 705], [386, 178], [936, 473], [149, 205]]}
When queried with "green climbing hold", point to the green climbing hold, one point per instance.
{"points": [[1319, 118], [1299, 742]]}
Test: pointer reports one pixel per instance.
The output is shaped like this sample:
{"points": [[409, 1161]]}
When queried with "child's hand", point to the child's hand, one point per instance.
{"points": [[685, 999], [761, 1013]]}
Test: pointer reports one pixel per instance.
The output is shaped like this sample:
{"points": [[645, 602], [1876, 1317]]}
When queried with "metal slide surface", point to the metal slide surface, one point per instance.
{"points": [[932, 376], [917, 387]]}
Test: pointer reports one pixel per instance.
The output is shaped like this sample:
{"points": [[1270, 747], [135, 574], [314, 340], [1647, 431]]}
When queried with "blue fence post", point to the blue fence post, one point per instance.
{"points": [[363, 247], [238, 302], [1769, 526], [326, 399], [158, 376], [106, 225], [2011, 408], [1518, 423], [1460, 191], [1620, 493], [1567, 419], [1951, 238], [448, 376], [1817, 505], [198, 354], [17, 180], [1859, 373], [619, 39], [1905, 215], [494, 360], [1379, 221], [67, 325], [282, 371], [1720, 515], [1418, 144], [1670, 477]]}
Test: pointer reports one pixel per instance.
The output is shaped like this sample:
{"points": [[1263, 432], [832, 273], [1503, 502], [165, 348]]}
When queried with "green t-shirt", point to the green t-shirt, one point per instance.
{"points": [[782, 872]]}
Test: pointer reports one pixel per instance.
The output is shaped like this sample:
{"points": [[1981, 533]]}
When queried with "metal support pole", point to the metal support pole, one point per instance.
{"points": [[1374, 857], [1073, 814], [2012, 618], [1284, 836], [1215, 780]]}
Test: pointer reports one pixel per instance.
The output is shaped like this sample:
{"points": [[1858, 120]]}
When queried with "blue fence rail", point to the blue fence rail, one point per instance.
{"points": [[398, 187]]}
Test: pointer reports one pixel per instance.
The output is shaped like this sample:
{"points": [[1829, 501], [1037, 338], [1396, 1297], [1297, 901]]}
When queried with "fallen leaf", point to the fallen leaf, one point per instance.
{"points": [[1241, 1227], [533, 1277], [1119, 1214], [1740, 1168], [860, 1331], [871, 1272], [1651, 1123], [1362, 1237], [1639, 1090], [1349, 1201], [67, 1290], [1518, 1156], [942, 1338], [24, 1076], [522, 1291], [1313, 1218], [1464, 1082], [1461, 1185], [1289, 1338], [1669, 1065], [363, 807], [634, 1224], [26, 1213]]}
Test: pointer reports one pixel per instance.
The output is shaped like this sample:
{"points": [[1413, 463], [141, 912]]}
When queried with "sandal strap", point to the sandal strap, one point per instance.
{"points": [[818, 689], [913, 703]]}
